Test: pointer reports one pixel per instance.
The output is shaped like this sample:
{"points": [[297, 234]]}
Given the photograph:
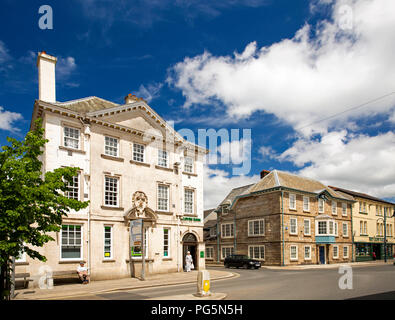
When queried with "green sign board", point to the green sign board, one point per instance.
{"points": [[201, 254], [191, 219]]}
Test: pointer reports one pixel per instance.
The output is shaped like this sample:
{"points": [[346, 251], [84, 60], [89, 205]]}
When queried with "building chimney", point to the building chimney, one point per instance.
{"points": [[46, 77], [130, 98], [264, 173]]}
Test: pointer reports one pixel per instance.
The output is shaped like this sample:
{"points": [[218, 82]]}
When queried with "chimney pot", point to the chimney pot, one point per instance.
{"points": [[264, 173]]}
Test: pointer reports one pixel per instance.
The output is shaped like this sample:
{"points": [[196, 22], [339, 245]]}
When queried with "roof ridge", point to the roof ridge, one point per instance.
{"points": [[83, 99]]}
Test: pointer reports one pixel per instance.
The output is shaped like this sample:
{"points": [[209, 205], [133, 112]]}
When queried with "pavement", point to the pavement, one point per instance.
{"points": [[67, 291]]}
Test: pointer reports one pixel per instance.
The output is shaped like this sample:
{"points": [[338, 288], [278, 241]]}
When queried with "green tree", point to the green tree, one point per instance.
{"points": [[32, 203]]}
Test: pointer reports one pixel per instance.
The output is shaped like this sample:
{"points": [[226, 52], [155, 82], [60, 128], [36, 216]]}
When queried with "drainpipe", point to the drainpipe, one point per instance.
{"points": [[178, 243], [218, 234], [352, 237], [282, 225], [234, 232]]}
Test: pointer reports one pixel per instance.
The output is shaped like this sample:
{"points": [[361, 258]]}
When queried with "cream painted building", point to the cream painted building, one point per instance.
{"points": [[372, 220], [132, 165]]}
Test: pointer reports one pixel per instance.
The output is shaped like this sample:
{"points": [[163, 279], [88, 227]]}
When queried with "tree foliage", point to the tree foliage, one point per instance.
{"points": [[32, 203]]}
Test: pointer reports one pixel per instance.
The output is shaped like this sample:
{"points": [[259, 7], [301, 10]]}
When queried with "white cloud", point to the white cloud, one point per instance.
{"points": [[149, 92], [267, 152], [7, 119], [218, 183], [357, 162], [234, 152], [4, 55], [64, 67], [321, 71]]}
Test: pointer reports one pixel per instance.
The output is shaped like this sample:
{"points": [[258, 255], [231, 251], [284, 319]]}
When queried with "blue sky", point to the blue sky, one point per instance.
{"points": [[276, 67]]}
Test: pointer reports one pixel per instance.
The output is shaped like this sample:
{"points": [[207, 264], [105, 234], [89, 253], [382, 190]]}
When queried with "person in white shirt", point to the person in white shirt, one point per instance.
{"points": [[83, 273]]}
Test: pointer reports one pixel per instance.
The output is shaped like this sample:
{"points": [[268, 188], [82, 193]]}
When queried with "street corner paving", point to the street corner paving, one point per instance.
{"points": [[171, 151]]}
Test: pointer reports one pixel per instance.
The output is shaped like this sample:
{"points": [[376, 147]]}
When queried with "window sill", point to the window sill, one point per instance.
{"points": [[164, 168], [112, 208], [105, 156], [306, 211], [72, 150], [255, 235], [139, 260], [167, 259], [108, 260], [292, 209], [144, 164], [164, 212], [71, 261], [21, 263], [190, 174]]}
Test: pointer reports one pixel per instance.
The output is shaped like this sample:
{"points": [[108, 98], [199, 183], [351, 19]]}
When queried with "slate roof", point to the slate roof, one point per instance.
{"points": [[87, 104], [358, 194], [277, 178], [207, 212], [236, 192]]}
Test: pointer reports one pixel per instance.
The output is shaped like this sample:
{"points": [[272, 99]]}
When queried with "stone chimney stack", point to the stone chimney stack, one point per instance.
{"points": [[264, 173], [130, 98], [46, 77]]}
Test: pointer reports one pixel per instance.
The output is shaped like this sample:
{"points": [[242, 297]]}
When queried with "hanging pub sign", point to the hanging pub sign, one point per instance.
{"points": [[136, 237]]}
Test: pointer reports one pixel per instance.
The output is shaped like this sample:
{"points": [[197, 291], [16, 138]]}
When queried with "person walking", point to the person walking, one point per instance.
{"points": [[188, 262], [374, 255]]}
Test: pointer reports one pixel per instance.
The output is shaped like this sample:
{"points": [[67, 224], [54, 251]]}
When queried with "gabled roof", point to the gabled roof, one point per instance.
{"points": [[288, 180], [358, 194]]}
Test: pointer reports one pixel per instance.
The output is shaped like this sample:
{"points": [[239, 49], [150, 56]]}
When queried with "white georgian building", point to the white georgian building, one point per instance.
{"points": [[132, 165]]}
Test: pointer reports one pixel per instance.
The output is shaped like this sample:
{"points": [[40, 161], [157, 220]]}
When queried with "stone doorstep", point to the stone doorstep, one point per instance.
{"points": [[86, 289]]}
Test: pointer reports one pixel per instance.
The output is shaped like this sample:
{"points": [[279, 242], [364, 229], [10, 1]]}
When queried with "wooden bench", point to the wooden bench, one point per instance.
{"points": [[24, 276], [67, 273]]}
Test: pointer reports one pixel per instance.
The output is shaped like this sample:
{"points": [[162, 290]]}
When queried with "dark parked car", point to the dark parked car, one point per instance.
{"points": [[240, 260]]}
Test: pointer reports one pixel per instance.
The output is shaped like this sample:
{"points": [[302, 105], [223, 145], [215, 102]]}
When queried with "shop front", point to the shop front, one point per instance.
{"points": [[367, 251]]}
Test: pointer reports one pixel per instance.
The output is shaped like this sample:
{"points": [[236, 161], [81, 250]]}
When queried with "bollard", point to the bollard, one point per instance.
{"points": [[203, 284]]}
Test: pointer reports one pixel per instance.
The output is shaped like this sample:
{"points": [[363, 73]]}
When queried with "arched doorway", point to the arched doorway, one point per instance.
{"points": [[189, 243]]}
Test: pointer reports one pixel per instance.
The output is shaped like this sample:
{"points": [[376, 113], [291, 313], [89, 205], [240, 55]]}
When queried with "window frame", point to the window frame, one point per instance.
{"points": [[137, 153], [319, 206], [337, 251], [81, 244], [334, 207], [118, 193], [78, 192], [158, 193], [345, 234], [66, 126], [231, 230], [296, 225], [252, 246], [192, 164], [290, 252], [293, 195], [161, 158], [308, 204], [111, 242], [304, 252], [251, 233], [109, 146], [226, 247], [344, 209], [192, 204], [168, 242], [211, 250], [304, 227], [348, 252]]}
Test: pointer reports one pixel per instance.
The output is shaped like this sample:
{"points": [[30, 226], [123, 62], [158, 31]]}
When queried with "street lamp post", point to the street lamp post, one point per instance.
{"points": [[385, 235]]}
